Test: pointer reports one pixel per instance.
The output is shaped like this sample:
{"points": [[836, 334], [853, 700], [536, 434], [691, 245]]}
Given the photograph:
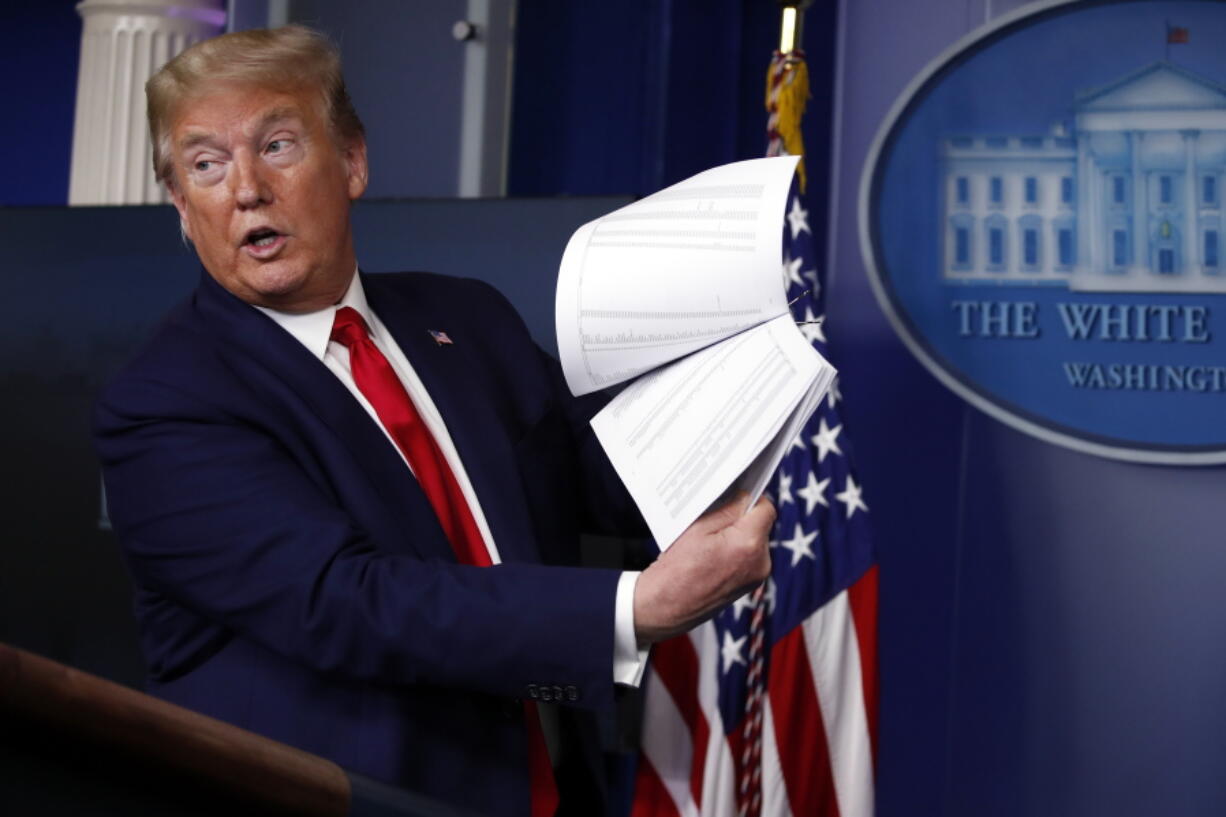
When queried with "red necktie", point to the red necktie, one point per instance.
{"points": [[380, 385]]}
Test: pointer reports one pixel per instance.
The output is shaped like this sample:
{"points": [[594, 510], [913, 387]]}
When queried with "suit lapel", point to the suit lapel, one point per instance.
{"points": [[466, 401], [253, 339]]}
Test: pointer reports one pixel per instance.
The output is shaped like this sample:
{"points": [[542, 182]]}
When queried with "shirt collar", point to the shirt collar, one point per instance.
{"points": [[314, 329]]}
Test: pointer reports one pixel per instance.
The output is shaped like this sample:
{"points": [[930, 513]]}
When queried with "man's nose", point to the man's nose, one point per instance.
{"points": [[250, 185]]}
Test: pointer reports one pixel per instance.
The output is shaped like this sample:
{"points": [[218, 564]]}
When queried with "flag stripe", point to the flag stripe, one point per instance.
{"points": [[719, 772], [676, 663], [735, 741], [774, 794], [863, 597], [834, 656], [667, 745], [799, 732], [719, 792], [651, 797]]}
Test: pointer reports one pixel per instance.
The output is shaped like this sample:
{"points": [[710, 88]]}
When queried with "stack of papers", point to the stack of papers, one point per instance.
{"points": [[683, 290]]}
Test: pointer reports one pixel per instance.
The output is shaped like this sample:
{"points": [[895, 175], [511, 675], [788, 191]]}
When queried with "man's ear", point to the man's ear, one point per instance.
{"points": [[355, 166], [180, 203]]}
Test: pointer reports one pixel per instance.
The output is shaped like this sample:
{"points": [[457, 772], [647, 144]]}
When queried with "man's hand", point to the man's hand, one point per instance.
{"points": [[717, 560]]}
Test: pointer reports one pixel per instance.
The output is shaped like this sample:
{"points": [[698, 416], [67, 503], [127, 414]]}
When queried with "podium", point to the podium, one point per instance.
{"points": [[73, 743]]}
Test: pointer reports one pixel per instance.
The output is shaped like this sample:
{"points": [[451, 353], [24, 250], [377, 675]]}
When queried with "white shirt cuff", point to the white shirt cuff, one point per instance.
{"points": [[629, 661]]}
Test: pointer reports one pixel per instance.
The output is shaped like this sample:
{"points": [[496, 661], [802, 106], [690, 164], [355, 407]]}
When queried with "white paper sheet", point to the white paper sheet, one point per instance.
{"points": [[681, 435], [682, 269]]}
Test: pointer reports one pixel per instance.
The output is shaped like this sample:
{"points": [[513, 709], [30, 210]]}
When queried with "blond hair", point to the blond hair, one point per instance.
{"points": [[290, 57]]}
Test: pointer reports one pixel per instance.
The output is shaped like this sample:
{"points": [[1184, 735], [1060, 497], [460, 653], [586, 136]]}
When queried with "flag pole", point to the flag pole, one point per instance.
{"points": [[787, 91]]}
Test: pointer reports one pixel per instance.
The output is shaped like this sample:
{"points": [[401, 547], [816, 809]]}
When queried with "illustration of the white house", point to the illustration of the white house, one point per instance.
{"points": [[1129, 201]]}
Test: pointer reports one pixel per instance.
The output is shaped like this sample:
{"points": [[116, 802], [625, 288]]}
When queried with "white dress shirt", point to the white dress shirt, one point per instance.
{"points": [[314, 330]]}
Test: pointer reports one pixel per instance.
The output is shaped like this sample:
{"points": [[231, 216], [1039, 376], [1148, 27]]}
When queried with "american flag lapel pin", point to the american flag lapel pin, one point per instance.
{"points": [[440, 338]]}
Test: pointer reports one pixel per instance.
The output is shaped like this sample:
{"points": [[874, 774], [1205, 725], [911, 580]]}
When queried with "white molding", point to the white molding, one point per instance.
{"points": [[486, 102]]}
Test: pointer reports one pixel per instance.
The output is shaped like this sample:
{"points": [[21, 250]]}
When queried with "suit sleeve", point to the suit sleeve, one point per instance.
{"points": [[217, 516]]}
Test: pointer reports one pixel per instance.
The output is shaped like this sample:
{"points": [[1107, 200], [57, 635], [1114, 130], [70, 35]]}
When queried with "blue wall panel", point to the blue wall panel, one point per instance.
{"points": [[40, 45], [1050, 623]]}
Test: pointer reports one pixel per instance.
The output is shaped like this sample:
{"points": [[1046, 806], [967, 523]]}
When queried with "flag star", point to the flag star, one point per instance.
{"points": [[850, 496], [815, 287], [814, 493], [745, 602], [731, 651], [798, 441], [798, 219], [812, 331], [768, 598], [825, 440], [833, 396], [791, 272], [785, 489], [801, 544]]}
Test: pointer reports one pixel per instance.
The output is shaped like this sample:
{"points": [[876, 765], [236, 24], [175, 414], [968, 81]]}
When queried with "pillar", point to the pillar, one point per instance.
{"points": [[1191, 226], [1140, 206], [1097, 190], [1085, 185], [123, 42]]}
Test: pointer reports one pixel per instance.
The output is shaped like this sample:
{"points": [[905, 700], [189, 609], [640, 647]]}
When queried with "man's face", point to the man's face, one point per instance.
{"points": [[263, 191]]}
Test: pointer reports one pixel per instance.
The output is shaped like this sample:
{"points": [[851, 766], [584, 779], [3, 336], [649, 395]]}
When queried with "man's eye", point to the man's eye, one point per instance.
{"points": [[203, 165], [275, 146]]}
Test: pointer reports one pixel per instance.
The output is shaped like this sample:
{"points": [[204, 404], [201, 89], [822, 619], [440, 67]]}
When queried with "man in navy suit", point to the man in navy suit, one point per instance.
{"points": [[292, 575]]}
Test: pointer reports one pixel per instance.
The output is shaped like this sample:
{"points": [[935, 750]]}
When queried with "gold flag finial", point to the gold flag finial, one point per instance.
{"points": [[787, 89]]}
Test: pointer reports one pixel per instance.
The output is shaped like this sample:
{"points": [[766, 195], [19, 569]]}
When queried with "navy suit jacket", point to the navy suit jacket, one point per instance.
{"points": [[291, 577]]}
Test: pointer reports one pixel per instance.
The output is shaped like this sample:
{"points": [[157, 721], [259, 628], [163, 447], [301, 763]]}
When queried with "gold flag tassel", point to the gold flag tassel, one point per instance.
{"points": [[787, 94]]}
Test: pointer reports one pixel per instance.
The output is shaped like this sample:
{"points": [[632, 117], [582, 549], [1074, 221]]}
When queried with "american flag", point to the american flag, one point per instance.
{"points": [[779, 717]]}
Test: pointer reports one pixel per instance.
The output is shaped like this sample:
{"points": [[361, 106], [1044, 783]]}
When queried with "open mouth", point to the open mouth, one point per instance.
{"points": [[264, 243], [262, 237]]}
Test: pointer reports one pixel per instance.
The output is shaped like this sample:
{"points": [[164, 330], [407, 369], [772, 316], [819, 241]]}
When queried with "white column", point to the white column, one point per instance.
{"points": [[123, 42], [1096, 189], [1140, 207], [1084, 187], [1191, 229]]}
